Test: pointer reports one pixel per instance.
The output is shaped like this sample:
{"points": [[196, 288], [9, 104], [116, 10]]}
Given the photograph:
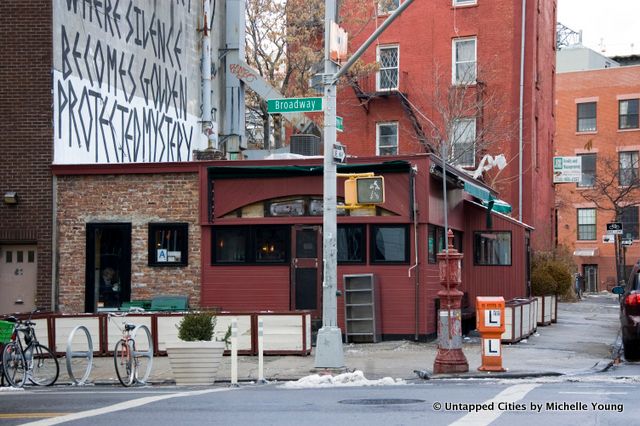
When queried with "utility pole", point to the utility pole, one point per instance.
{"points": [[329, 352]]}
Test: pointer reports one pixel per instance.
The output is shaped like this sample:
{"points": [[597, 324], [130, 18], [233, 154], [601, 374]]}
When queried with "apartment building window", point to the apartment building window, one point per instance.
{"points": [[628, 168], [464, 61], [587, 117], [629, 220], [385, 7], [588, 177], [388, 58], [463, 142], [628, 114], [586, 224], [387, 139]]}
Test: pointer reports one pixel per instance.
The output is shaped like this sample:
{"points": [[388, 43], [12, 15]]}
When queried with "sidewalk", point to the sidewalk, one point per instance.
{"points": [[582, 341]]}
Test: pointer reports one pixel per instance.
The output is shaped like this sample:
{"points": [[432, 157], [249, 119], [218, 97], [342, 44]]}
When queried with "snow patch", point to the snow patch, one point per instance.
{"points": [[10, 389], [355, 378]]}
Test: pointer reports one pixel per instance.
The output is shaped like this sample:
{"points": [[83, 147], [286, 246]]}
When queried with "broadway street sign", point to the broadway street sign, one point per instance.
{"points": [[279, 106]]}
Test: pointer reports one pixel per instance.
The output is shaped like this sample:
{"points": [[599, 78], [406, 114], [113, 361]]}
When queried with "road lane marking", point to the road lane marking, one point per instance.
{"points": [[120, 407], [30, 415], [510, 394]]}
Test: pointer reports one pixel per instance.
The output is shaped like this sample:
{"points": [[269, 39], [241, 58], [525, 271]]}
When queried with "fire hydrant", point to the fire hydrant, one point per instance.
{"points": [[450, 358]]}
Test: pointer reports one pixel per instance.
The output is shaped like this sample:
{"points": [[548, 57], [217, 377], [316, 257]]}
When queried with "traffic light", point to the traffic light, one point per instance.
{"points": [[364, 190]]}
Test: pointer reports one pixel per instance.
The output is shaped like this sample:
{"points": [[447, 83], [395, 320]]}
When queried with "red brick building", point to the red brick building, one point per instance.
{"points": [[597, 120], [26, 134], [452, 67]]}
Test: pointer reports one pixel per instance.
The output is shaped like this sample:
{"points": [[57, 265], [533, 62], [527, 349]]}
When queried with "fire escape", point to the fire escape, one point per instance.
{"points": [[383, 85]]}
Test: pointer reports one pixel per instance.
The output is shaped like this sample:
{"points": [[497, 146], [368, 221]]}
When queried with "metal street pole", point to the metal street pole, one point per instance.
{"points": [[329, 352]]}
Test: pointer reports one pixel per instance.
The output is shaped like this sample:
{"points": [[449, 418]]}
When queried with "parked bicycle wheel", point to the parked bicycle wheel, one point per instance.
{"points": [[123, 360], [13, 365], [43, 365]]}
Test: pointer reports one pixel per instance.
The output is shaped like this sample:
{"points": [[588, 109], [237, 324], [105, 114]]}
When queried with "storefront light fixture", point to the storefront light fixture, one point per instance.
{"points": [[11, 197]]}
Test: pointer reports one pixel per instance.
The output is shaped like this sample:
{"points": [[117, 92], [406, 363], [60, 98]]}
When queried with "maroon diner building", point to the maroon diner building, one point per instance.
{"points": [[248, 237]]}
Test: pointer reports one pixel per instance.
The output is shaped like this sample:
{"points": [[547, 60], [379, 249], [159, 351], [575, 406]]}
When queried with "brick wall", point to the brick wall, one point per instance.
{"points": [[602, 86], [128, 198], [26, 132]]}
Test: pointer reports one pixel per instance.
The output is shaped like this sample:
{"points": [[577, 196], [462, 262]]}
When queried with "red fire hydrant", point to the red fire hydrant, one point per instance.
{"points": [[450, 358]]}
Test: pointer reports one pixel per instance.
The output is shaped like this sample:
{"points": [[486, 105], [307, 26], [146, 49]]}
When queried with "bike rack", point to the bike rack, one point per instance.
{"points": [[144, 354], [80, 354]]}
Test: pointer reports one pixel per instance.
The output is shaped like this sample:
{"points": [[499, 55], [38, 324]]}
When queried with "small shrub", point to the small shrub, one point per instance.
{"points": [[542, 283], [197, 326], [562, 277]]}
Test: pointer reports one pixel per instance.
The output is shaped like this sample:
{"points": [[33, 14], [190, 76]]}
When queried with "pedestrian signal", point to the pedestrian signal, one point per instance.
{"points": [[364, 190]]}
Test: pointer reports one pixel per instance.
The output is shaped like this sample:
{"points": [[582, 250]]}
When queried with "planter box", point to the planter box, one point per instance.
{"points": [[554, 308], [195, 363], [533, 314], [545, 304], [513, 315]]}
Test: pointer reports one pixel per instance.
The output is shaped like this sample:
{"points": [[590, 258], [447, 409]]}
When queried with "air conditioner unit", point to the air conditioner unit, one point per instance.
{"points": [[305, 144]]}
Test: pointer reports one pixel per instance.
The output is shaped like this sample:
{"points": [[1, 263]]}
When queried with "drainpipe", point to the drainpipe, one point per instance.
{"points": [[54, 245], [207, 127], [520, 142], [416, 265]]}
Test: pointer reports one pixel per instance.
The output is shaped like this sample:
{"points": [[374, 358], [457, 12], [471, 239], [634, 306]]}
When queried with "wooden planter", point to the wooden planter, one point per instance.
{"points": [[546, 305], [195, 363]]}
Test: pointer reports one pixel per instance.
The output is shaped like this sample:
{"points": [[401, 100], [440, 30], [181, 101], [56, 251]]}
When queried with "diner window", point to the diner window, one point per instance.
{"points": [[492, 248], [251, 244], [586, 224], [168, 244], [629, 220], [271, 244], [464, 61], [350, 242], [628, 168], [389, 62], [389, 244], [586, 117], [437, 242], [628, 114], [387, 139], [588, 170]]}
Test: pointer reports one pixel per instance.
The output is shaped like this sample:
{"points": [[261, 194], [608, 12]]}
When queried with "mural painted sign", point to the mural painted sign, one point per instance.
{"points": [[126, 81]]}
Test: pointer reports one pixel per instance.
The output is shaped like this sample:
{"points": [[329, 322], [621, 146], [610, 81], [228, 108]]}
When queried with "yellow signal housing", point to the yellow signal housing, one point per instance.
{"points": [[364, 190]]}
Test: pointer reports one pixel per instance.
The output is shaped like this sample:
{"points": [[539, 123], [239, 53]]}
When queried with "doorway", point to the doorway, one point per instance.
{"points": [[18, 278], [305, 271], [108, 268], [590, 278]]}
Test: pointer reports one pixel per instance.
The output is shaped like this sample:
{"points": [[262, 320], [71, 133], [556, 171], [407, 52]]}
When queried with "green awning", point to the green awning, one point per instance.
{"points": [[499, 206], [477, 191]]}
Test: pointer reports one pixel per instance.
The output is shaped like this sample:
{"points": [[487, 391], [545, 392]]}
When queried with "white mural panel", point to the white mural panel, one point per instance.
{"points": [[126, 81]]}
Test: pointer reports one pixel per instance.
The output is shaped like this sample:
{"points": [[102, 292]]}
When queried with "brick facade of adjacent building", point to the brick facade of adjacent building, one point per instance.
{"points": [[138, 199], [26, 132], [424, 35], [605, 87]]}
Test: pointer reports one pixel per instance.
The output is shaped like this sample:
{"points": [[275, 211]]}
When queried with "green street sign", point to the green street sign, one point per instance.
{"points": [[339, 124], [279, 106]]}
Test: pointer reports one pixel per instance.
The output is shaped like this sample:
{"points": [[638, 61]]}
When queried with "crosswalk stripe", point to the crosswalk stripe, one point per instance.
{"points": [[510, 394]]}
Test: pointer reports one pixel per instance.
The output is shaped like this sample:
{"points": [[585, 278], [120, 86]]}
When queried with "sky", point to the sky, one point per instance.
{"points": [[610, 27]]}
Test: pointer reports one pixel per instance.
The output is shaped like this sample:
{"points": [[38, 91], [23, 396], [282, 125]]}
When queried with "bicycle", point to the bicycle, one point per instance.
{"points": [[127, 359], [24, 358]]}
